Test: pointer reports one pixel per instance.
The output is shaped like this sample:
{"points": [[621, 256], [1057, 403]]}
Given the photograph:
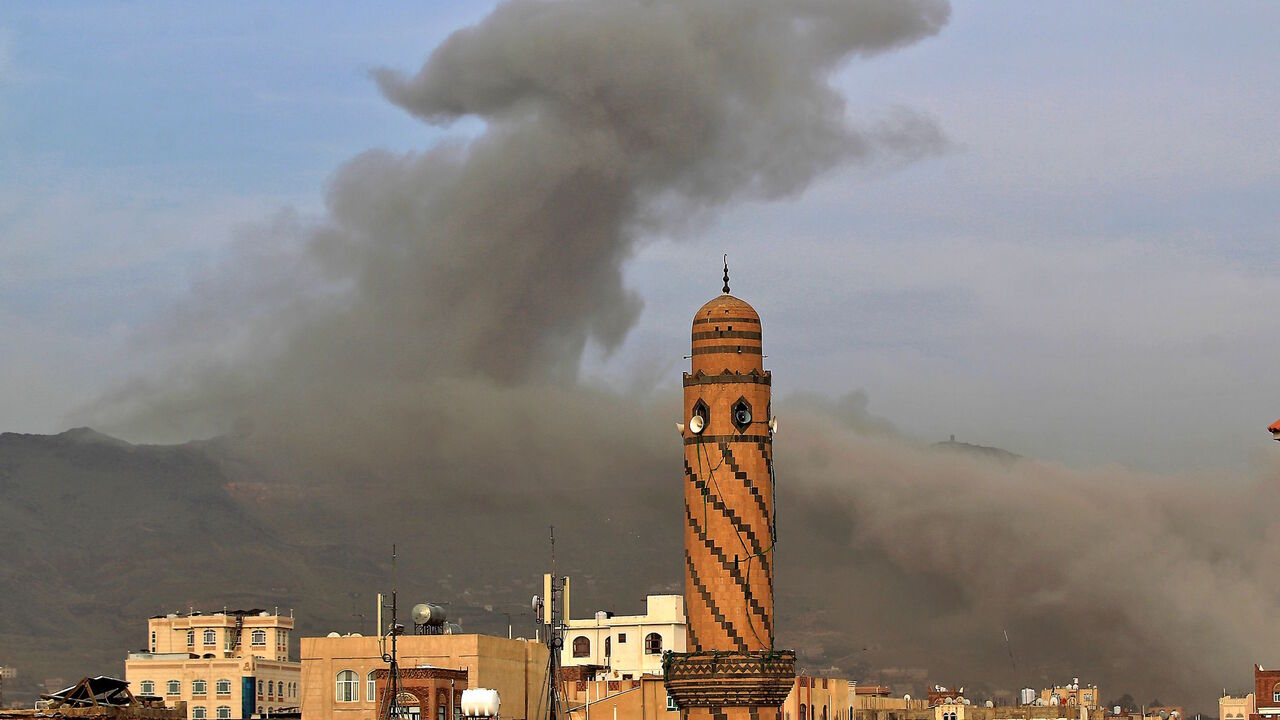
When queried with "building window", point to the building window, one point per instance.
{"points": [[804, 712], [608, 651], [148, 687], [622, 637], [259, 689], [199, 687], [210, 637], [672, 707], [173, 687], [409, 707], [1275, 693], [224, 712], [442, 705], [271, 688], [371, 687], [199, 713], [191, 638], [348, 687], [653, 644], [224, 687], [258, 638], [581, 647]]}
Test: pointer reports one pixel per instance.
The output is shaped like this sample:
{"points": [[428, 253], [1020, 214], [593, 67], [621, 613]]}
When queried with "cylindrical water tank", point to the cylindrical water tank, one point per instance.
{"points": [[428, 614], [480, 703]]}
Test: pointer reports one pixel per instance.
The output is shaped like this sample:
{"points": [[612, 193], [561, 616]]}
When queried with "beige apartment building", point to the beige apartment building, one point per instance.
{"points": [[339, 678], [627, 646], [1236, 708], [225, 665]]}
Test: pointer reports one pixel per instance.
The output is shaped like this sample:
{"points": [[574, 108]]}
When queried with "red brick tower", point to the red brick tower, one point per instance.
{"points": [[733, 671]]}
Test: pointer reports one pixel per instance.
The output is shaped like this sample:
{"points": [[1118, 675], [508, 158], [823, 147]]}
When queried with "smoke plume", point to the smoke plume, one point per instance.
{"points": [[412, 357]]}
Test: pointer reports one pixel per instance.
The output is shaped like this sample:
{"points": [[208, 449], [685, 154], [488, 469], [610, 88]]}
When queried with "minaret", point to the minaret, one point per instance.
{"points": [[733, 671]]}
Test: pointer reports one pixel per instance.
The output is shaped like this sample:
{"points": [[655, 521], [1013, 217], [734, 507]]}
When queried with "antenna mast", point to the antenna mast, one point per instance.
{"points": [[554, 625], [391, 707]]}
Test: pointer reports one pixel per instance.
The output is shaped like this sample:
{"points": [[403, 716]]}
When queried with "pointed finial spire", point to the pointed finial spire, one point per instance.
{"points": [[726, 274]]}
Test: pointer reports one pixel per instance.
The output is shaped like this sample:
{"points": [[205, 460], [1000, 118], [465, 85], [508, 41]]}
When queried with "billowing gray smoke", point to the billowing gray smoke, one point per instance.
{"points": [[412, 358]]}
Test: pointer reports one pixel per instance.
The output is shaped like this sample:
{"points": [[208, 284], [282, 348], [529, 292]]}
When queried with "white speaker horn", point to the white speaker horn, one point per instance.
{"points": [[773, 425], [680, 427], [696, 424]]}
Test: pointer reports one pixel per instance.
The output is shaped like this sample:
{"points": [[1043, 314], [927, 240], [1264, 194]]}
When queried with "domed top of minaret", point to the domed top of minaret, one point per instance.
{"points": [[726, 335]]}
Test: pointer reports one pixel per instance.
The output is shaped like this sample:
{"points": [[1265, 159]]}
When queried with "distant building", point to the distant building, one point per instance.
{"points": [[1072, 694], [340, 673], [943, 695], [226, 665], [1236, 708], [624, 647]]}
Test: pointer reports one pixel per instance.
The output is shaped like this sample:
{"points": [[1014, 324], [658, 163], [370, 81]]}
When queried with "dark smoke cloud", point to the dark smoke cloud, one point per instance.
{"points": [[423, 340]]}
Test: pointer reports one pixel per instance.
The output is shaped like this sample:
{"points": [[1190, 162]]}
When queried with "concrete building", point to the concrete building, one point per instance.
{"points": [[644, 698], [1072, 694], [732, 670], [1236, 708], [339, 673], [627, 646], [818, 698], [225, 665]]}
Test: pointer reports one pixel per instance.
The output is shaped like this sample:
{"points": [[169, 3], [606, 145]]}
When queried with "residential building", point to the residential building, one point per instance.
{"points": [[339, 673], [643, 698], [1236, 708], [225, 665], [624, 647], [1072, 694], [818, 698]]}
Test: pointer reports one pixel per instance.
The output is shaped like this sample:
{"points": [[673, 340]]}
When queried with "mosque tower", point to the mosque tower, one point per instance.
{"points": [[733, 671]]}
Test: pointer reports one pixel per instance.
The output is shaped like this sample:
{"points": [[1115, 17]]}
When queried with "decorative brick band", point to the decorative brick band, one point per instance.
{"points": [[713, 334], [730, 679], [755, 379], [713, 439], [710, 320], [729, 350]]}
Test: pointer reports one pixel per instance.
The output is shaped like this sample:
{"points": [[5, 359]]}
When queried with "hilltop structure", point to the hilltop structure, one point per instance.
{"points": [[732, 671]]}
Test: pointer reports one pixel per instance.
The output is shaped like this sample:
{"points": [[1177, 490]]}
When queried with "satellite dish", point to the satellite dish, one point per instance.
{"points": [[773, 425], [696, 424]]}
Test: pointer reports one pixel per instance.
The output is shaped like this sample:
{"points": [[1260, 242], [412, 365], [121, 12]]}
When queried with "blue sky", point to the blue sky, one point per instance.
{"points": [[1086, 275]]}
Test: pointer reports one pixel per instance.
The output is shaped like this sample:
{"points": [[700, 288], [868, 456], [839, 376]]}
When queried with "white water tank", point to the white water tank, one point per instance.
{"points": [[480, 703]]}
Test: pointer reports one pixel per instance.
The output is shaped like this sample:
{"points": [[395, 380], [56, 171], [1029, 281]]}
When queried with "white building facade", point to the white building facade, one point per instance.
{"points": [[627, 646]]}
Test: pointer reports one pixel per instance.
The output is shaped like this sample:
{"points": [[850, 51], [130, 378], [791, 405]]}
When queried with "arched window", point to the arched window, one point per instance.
{"points": [[653, 644], [224, 712], [581, 647], [804, 711], [258, 638], [148, 687], [271, 688], [824, 712], [608, 652], [410, 708], [199, 713], [173, 687], [442, 705], [210, 637], [348, 687], [371, 687], [224, 687], [199, 687]]}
